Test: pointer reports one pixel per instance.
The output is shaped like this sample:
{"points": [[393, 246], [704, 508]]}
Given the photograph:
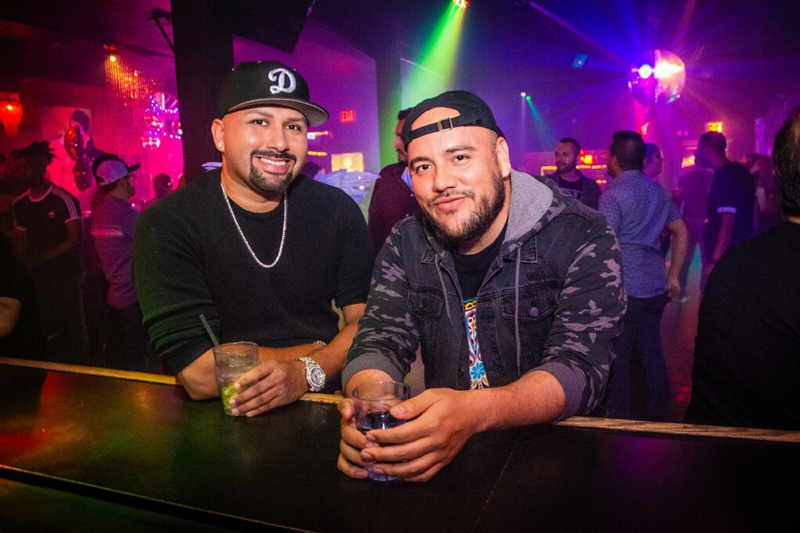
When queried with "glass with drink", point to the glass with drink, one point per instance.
{"points": [[231, 361], [372, 403]]}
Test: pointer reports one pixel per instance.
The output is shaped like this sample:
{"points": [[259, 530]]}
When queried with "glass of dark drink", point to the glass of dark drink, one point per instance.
{"points": [[372, 403]]}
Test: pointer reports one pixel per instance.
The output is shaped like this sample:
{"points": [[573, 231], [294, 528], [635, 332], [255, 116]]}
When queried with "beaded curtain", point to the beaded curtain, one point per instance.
{"points": [[129, 94]]}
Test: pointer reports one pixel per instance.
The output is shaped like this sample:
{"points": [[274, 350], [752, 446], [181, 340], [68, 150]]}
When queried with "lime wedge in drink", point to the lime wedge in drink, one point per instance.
{"points": [[228, 392]]}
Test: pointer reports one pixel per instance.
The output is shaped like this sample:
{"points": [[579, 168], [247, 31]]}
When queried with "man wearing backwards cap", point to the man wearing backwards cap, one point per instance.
{"points": [[113, 222], [258, 249], [511, 288]]}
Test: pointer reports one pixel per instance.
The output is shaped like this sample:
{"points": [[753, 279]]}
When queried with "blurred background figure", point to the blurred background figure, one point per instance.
{"points": [[569, 178], [693, 187], [162, 186], [113, 222], [392, 199], [20, 329], [653, 167], [731, 199], [9, 190], [47, 220], [767, 211], [639, 210], [653, 164], [312, 170]]}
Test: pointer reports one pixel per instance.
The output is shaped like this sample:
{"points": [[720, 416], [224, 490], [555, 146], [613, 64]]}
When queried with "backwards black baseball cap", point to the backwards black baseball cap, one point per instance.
{"points": [[472, 111], [265, 83]]}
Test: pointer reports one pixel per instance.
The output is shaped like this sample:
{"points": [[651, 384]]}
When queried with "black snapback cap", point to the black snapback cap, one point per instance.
{"points": [[472, 112], [260, 83]]}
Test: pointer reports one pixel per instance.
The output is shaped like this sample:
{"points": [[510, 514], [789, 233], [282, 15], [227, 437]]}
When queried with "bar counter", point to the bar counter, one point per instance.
{"points": [[98, 450]]}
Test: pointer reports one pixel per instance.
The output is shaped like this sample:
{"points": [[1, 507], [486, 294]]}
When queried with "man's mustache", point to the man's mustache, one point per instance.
{"points": [[275, 155], [447, 194]]}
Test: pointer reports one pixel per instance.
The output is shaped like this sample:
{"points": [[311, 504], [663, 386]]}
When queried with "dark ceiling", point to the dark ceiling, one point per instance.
{"points": [[60, 40]]}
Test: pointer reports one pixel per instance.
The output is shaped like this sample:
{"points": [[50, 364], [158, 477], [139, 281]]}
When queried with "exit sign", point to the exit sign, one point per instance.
{"points": [[348, 115]]}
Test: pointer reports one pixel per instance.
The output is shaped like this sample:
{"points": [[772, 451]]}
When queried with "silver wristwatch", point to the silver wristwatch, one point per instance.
{"points": [[314, 374]]}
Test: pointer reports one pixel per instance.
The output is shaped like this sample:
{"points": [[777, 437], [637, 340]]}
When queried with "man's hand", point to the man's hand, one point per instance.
{"points": [[438, 424], [351, 443], [673, 287], [270, 385]]}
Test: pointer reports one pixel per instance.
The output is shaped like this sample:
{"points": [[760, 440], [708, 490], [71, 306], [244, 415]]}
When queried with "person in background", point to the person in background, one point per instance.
{"points": [[20, 330], [47, 220], [8, 193], [259, 250], [639, 209], [510, 287], [162, 186], [568, 177], [652, 168], [747, 352], [312, 170], [731, 199], [653, 164], [694, 187], [392, 199], [768, 198], [113, 223]]}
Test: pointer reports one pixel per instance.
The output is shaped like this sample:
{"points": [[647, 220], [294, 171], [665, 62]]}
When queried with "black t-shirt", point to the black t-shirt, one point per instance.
{"points": [[585, 190], [733, 191], [190, 259], [26, 339], [44, 222], [471, 269]]}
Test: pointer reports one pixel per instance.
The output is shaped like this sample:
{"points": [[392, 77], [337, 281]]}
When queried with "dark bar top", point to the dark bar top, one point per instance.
{"points": [[140, 453]]}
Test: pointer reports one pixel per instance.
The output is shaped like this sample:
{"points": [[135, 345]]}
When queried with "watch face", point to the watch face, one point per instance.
{"points": [[316, 377]]}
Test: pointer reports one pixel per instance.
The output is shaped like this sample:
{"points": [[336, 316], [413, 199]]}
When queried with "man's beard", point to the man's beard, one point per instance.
{"points": [[566, 168], [477, 224], [261, 184]]}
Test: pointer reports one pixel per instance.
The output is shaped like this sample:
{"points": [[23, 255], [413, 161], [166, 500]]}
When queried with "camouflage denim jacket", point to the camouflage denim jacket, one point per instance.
{"points": [[552, 300]]}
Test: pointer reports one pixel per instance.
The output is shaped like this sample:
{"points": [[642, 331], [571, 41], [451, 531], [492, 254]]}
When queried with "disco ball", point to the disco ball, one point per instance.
{"points": [[657, 77]]}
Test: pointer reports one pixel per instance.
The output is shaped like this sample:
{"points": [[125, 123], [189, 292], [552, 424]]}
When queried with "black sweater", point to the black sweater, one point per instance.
{"points": [[189, 259]]}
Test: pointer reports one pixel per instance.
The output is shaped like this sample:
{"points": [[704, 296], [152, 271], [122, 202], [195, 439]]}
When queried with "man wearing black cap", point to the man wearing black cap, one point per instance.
{"points": [[113, 222], [511, 288], [48, 223], [257, 249]]}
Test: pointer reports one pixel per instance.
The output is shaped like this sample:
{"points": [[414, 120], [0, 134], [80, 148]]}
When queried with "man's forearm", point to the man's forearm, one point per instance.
{"points": [[365, 376], [330, 357], [200, 381], [680, 245], [724, 236], [535, 398]]}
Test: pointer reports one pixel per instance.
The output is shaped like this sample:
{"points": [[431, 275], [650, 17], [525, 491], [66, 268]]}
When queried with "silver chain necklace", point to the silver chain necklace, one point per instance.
{"points": [[241, 233]]}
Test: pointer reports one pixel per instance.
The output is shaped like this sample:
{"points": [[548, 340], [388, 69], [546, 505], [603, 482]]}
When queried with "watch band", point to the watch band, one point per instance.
{"points": [[315, 376]]}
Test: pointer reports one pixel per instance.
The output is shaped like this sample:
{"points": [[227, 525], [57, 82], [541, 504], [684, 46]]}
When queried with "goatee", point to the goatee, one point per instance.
{"points": [[486, 211], [261, 184]]}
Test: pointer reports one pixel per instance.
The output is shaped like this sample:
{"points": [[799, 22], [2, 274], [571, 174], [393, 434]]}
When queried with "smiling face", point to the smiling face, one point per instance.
{"points": [[263, 148], [566, 156], [460, 179]]}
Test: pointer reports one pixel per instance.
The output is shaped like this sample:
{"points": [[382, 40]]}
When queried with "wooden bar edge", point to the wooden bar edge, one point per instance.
{"points": [[673, 428], [92, 371], [632, 426], [145, 377]]}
